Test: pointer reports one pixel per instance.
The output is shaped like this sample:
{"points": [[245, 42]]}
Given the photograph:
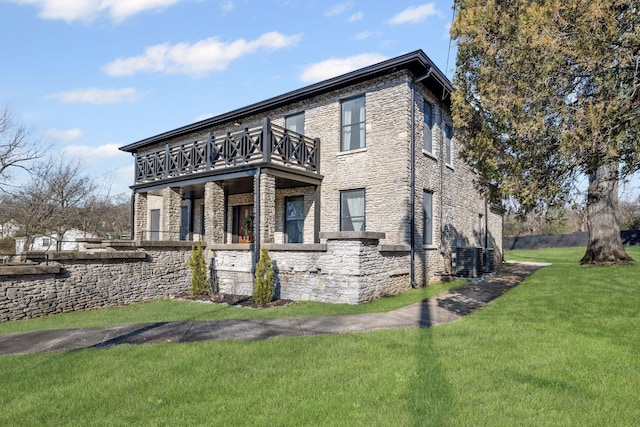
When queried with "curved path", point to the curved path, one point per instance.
{"points": [[442, 308]]}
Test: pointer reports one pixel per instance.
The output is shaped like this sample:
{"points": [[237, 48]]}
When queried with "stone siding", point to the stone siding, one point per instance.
{"points": [[85, 284], [350, 271]]}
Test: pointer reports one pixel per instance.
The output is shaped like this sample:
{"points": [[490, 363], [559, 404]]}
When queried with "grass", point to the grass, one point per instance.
{"points": [[559, 349], [179, 310]]}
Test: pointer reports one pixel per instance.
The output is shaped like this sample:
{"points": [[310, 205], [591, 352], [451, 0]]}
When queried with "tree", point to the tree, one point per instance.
{"points": [[547, 91], [50, 202], [264, 283], [17, 148], [199, 282]]}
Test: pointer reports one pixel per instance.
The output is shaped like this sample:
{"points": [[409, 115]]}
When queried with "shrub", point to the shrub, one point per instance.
{"points": [[264, 283], [199, 282]]}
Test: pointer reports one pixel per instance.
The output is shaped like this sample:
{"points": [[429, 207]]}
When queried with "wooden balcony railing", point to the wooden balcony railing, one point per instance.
{"points": [[219, 151]]}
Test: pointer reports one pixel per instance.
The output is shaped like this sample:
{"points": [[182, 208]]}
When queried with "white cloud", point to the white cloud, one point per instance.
{"points": [[413, 15], [365, 35], [88, 152], [227, 6], [97, 96], [64, 135], [355, 17], [196, 59], [336, 66], [88, 10], [338, 9]]}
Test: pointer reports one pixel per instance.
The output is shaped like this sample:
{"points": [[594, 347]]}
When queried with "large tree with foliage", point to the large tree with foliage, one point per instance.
{"points": [[548, 91]]}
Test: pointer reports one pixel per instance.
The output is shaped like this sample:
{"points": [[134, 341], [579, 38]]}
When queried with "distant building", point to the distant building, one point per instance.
{"points": [[47, 243], [9, 229]]}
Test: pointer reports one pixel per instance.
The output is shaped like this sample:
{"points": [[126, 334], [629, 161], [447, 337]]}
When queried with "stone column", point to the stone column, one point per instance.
{"points": [[267, 208], [140, 215], [214, 212], [170, 214]]}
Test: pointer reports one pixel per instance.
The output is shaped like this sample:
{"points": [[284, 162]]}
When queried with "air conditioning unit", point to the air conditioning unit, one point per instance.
{"points": [[468, 262], [489, 261]]}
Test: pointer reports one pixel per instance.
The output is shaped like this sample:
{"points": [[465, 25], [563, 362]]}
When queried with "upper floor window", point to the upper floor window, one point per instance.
{"points": [[428, 128], [448, 135], [352, 210], [427, 217], [295, 122], [353, 124]]}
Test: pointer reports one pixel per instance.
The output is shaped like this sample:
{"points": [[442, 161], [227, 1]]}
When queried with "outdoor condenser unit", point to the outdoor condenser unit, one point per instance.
{"points": [[489, 261], [469, 262]]}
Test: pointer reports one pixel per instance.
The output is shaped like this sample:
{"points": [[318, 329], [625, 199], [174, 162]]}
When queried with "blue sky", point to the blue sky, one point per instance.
{"points": [[88, 76]]}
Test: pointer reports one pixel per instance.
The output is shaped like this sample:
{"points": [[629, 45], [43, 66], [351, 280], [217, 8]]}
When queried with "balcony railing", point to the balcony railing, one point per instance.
{"points": [[227, 150]]}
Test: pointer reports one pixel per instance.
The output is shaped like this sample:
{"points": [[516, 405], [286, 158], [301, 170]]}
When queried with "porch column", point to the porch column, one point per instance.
{"points": [[170, 214], [140, 215], [214, 212], [267, 208]]}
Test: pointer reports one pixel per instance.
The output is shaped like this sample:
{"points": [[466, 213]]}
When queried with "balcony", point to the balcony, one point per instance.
{"points": [[262, 144]]}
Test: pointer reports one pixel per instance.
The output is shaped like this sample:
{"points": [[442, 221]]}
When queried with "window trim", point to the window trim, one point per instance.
{"points": [[431, 126], [427, 241], [364, 208], [286, 236], [288, 116], [363, 143], [448, 144]]}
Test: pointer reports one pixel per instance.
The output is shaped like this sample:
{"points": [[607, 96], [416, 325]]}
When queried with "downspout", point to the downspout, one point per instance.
{"points": [[412, 272], [133, 216]]}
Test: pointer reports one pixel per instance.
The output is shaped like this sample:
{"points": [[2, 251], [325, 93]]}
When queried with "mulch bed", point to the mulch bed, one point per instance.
{"points": [[237, 300]]}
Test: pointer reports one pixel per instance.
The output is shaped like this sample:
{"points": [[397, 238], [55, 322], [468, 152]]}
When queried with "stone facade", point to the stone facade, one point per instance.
{"points": [[392, 167]]}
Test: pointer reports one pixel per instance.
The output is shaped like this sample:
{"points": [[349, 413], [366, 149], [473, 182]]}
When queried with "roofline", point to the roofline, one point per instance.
{"points": [[417, 62]]}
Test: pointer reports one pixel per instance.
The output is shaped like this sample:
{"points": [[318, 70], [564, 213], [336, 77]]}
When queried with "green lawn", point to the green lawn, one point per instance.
{"points": [[561, 349]]}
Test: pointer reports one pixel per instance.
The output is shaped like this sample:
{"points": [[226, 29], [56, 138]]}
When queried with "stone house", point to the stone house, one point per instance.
{"points": [[354, 184]]}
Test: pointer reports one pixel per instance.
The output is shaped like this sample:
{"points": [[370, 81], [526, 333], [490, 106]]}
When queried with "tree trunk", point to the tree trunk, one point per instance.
{"points": [[605, 244]]}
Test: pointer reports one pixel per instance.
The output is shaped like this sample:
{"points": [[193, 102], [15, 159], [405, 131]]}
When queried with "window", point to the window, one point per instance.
{"points": [[352, 210], [294, 219], [46, 242], [448, 134], [427, 217], [155, 224], [295, 122], [353, 124], [428, 127]]}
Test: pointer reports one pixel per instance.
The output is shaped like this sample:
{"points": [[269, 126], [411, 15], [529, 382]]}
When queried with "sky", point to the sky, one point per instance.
{"points": [[89, 76]]}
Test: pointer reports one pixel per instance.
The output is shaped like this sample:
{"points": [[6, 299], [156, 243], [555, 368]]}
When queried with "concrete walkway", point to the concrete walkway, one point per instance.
{"points": [[446, 307]]}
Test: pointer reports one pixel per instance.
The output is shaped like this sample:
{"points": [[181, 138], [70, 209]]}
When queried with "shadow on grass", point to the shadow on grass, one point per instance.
{"points": [[430, 395]]}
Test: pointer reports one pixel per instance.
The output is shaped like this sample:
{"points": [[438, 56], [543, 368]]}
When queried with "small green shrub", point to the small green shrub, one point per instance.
{"points": [[264, 283], [7, 245], [199, 282]]}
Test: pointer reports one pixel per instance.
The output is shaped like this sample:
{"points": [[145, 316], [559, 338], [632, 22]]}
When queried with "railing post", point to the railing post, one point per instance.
{"points": [[167, 163], [207, 152], [266, 139], [316, 142], [136, 169]]}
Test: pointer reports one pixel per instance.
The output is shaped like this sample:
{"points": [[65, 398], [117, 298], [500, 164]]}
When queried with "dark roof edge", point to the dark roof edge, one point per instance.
{"points": [[417, 62]]}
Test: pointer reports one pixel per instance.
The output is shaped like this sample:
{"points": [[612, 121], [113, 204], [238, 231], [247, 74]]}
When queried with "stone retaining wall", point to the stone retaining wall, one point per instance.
{"points": [[347, 269], [90, 281]]}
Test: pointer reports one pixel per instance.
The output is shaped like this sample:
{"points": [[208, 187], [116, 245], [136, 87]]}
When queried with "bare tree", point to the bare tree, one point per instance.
{"points": [[17, 148], [50, 202]]}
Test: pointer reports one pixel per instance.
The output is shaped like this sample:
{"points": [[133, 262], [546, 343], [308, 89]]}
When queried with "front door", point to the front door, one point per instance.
{"points": [[243, 223]]}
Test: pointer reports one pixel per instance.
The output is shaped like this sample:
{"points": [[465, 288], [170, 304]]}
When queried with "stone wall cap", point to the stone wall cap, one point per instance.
{"points": [[28, 270], [296, 247], [231, 246], [168, 244], [352, 235], [98, 255]]}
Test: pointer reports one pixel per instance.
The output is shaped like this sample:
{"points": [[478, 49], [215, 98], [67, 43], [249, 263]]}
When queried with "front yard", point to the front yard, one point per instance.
{"points": [[559, 349]]}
